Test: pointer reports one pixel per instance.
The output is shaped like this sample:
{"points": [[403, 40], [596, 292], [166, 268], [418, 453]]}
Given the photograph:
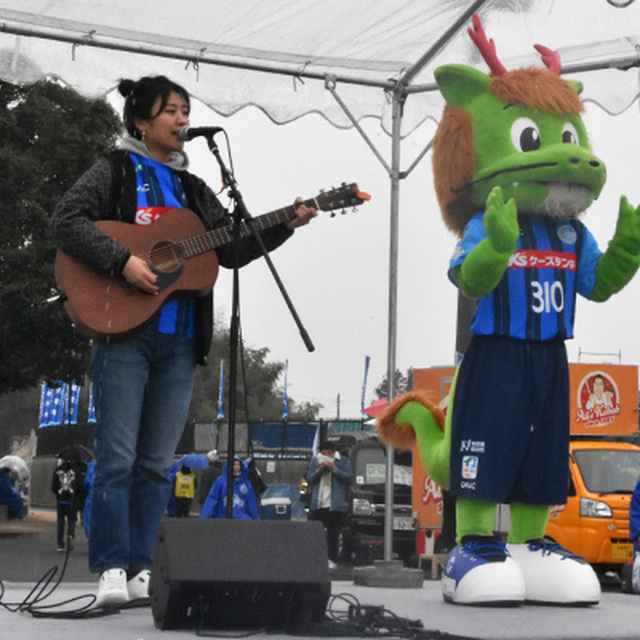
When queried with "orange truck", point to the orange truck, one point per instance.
{"points": [[604, 464]]}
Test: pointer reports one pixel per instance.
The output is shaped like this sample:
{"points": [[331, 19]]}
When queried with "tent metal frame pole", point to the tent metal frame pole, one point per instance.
{"points": [[398, 96], [330, 84], [195, 57], [395, 176], [392, 334]]}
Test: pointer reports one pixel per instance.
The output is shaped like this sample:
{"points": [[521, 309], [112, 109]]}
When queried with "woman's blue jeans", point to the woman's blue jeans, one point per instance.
{"points": [[142, 389]]}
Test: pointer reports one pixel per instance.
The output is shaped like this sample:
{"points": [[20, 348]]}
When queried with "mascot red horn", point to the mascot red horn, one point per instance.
{"points": [[513, 174]]}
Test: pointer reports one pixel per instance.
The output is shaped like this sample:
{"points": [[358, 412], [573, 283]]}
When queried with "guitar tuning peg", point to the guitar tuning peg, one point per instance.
{"points": [[343, 212], [333, 214]]}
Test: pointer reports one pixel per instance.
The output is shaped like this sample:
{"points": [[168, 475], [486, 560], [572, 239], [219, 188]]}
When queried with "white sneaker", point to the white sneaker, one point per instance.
{"points": [[112, 588], [332, 565], [554, 575], [480, 571], [138, 586]]}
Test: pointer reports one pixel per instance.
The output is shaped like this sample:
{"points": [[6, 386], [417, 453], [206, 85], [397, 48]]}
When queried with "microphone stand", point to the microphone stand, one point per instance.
{"points": [[241, 214]]}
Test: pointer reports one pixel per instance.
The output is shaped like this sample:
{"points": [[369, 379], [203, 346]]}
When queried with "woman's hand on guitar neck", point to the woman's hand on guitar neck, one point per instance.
{"points": [[304, 214], [138, 273]]}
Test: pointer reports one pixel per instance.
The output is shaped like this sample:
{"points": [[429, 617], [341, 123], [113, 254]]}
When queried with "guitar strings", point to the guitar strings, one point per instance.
{"points": [[195, 245]]}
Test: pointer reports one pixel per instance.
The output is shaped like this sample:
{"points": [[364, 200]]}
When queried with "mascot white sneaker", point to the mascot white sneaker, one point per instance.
{"points": [[554, 575], [481, 571]]}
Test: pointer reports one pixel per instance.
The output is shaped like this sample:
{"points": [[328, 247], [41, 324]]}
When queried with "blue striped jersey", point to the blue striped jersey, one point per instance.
{"points": [[535, 300], [159, 189]]}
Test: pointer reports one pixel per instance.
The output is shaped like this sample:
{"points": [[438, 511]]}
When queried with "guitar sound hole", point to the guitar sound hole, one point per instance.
{"points": [[166, 257]]}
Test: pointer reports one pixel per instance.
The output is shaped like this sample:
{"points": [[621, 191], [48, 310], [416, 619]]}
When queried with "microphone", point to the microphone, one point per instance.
{"points": [[187, 133]]}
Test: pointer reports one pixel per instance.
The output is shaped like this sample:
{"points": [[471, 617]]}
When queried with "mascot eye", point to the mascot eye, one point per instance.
{"points": [[525, 135], [570, 134]]}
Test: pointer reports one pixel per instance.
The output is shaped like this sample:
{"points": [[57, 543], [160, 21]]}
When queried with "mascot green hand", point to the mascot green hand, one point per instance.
{"points": [[621, 259], [486, 263], [513, 172]]}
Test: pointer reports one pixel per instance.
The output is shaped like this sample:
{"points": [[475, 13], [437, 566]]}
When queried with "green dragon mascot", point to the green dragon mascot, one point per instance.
{"points": [[513, 173]]}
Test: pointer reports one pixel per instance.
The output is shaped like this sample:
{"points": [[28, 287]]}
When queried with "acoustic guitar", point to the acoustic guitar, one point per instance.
{"points": [[178, 249]]}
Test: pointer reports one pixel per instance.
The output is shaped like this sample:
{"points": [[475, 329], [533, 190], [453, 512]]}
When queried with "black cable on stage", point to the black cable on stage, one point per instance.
{"points": [[371, 621], [352, 620], [44, 589]]}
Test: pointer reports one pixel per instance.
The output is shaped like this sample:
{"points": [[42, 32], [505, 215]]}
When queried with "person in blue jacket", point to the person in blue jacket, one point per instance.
{"points": [[245, 503], [634, 535], [329, 476], [8, 495]]}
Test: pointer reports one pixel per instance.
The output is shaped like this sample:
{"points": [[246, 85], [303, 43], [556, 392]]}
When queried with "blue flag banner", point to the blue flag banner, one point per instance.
{"points": [[59, 403], [56, 412], [74, 402], [367, 361], [53, 401], [221, 391], [46, 401], [285, 408], [92, 408]]}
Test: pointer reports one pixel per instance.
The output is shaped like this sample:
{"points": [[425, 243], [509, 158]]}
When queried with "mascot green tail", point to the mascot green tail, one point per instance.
{"points": [[412, 419]]}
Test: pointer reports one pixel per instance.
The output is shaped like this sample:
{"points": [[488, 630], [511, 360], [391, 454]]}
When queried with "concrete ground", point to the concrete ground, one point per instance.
{"points": [[33, 571]]}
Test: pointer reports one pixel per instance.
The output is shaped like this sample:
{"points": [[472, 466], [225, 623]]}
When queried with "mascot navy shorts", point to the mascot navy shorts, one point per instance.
{"points": [[510, 422]]}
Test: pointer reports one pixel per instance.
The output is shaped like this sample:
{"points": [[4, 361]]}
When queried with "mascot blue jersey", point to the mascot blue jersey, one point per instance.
{"points": [[535, 300]]}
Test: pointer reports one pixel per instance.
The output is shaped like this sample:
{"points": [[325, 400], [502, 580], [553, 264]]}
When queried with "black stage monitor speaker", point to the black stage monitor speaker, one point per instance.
{"points": [[239, 574]]}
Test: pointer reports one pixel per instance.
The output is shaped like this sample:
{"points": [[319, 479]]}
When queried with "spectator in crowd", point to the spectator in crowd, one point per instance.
{"points": [[329, 476], [68, 486], [8, 494], [634, 535], [184, 490], [245, 503]]}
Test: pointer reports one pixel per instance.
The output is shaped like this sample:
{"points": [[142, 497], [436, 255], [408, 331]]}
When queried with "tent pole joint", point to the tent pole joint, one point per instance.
{"points": [[330, 84]]}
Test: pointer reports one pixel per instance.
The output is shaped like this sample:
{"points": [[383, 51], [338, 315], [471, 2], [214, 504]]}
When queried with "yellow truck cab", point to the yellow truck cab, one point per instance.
{"points": [[594, 522]]}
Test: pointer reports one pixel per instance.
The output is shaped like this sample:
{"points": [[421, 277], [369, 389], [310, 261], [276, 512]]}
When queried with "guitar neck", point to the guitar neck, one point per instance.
{"points": [[225, 235]]}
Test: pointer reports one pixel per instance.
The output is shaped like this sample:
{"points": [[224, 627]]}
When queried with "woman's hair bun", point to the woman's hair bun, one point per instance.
{"points": [[126, 87]]}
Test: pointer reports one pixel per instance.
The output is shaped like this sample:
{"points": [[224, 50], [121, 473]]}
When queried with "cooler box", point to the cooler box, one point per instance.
{"points": [[277, 508]]}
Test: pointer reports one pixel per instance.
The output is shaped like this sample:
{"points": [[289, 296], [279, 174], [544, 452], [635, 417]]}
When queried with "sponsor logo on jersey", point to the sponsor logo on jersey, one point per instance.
{"points": [[543, 259], [567, 234], [148, 215], [470, 467], [473, 446]]}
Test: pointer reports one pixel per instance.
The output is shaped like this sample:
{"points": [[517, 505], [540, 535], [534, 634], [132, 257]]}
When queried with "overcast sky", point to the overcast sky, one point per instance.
{"points": [[336, 269]]}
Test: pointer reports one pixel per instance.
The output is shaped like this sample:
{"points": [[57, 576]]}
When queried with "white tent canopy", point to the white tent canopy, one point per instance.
{"points": [[280, 55]]}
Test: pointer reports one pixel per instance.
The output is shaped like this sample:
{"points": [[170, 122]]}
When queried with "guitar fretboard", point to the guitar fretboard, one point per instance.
{"points": [[196, 245]]}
